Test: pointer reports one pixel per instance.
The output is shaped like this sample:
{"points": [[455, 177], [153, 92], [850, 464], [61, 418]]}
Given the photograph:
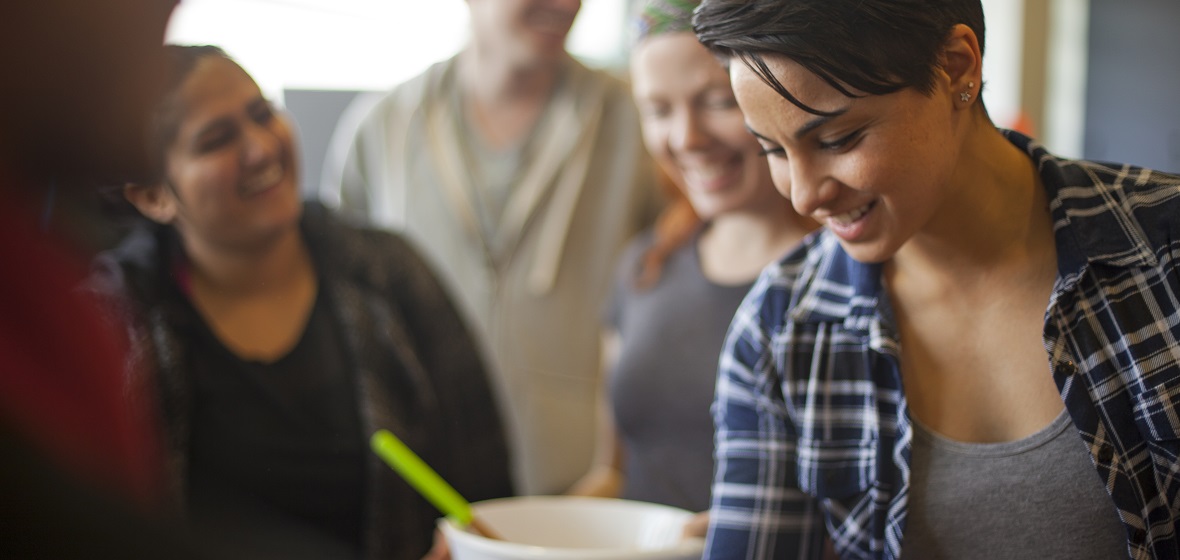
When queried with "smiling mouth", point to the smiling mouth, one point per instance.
{"points": [[850, 217], [555, 23], [708, 177], [264, 180]]}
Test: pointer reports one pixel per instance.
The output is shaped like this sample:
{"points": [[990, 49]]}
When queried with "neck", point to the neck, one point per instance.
{"points": [[996, 218], [492, 82], [504, 101], [268, 267], [738, 245]]}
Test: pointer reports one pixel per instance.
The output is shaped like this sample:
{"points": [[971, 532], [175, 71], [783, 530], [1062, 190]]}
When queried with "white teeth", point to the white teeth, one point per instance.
{"points": [[705, 173], [708, 176], [264, 180], [849, 217]]}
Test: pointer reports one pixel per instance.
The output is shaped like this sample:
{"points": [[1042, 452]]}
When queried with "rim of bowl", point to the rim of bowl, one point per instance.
{"points": [[689, 545]]}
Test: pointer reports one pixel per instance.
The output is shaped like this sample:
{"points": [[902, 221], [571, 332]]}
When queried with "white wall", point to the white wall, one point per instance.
{"points": [[1065, 96], [359, 44], [1002, 59]]}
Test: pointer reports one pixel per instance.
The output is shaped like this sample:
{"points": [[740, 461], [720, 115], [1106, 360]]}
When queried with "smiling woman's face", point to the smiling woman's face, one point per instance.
{"points": [[876, 174], [232, 166], [693, 127]]}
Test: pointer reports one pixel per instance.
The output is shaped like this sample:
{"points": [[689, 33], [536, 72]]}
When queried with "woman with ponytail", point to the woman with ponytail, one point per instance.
{"points": [[679, 284]]}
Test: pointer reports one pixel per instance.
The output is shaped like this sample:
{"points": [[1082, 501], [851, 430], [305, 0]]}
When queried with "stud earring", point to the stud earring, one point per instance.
{"points": [[965, 97]]}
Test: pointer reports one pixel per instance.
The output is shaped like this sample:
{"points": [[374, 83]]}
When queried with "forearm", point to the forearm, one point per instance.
{"points": [[603, 481]]}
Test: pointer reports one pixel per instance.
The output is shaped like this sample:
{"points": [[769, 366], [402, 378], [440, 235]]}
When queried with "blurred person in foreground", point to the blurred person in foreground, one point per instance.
{"points": [[979, 356], [521, 174], [679, 283], [78, 457], [280, 339]]}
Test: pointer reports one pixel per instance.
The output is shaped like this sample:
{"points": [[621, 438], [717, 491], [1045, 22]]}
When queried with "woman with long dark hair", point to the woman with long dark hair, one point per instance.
{"points": [[279, 339]]}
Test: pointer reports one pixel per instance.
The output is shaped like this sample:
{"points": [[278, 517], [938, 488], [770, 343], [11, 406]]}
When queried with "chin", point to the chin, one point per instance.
{"points": [[867, 253], [707, 209]]}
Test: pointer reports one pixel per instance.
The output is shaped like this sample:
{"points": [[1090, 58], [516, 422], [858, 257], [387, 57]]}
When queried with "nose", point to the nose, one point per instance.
{"points": [[810, 186], [262, 145], [688, 132]]}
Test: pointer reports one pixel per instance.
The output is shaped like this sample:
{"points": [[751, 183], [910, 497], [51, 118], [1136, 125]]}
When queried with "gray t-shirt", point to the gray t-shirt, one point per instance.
{"points": [[493, 172], [1038, 497], [662, 387]]}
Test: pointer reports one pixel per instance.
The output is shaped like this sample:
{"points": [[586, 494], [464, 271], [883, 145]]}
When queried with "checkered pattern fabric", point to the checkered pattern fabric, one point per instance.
{"points": [[813, 433]]}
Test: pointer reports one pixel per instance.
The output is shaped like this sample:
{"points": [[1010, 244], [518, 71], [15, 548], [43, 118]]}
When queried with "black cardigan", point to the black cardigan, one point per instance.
{"points": [[419, 372]]}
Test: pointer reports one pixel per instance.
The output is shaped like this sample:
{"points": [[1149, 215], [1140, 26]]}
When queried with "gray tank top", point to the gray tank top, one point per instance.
{"points": [[1034, 498], [662, 385]]}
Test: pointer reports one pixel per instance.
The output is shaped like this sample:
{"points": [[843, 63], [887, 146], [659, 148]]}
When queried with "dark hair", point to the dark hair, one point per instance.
{"points": [[163, 128], [166, 117], [673, 228], [874, 46]]}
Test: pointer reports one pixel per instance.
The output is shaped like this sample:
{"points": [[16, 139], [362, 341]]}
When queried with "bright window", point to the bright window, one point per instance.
{"points": [[361, 44]]}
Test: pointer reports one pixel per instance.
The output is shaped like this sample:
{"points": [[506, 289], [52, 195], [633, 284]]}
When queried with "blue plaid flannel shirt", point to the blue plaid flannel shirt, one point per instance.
{"points": [[813, 434]]}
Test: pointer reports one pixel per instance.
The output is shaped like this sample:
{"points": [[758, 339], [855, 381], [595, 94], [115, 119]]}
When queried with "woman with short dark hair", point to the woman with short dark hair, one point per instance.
{"points": [[978, 358]]}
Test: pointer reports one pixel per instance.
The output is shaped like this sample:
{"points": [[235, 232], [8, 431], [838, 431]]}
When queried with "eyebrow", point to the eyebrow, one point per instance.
{"points": [[228, 120], [758, 134], [818, 122], [212, 127], [806, 128]]}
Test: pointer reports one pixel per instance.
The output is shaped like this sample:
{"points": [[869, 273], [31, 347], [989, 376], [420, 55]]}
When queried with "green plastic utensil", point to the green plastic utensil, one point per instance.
{"points": [[427, 482]]}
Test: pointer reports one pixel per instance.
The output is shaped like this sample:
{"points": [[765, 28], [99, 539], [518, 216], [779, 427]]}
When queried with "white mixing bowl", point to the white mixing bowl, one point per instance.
{"points": [[574, 528]]}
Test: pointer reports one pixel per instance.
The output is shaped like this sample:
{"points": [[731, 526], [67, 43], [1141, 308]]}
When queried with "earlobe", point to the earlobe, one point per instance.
{"points": [[963, 63], [153, 201]]}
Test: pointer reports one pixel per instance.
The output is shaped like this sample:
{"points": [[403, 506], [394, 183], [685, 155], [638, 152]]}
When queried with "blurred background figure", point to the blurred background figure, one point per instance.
{"points": [[78, 461], [520, 173], [279, 340], [679, 284]]}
